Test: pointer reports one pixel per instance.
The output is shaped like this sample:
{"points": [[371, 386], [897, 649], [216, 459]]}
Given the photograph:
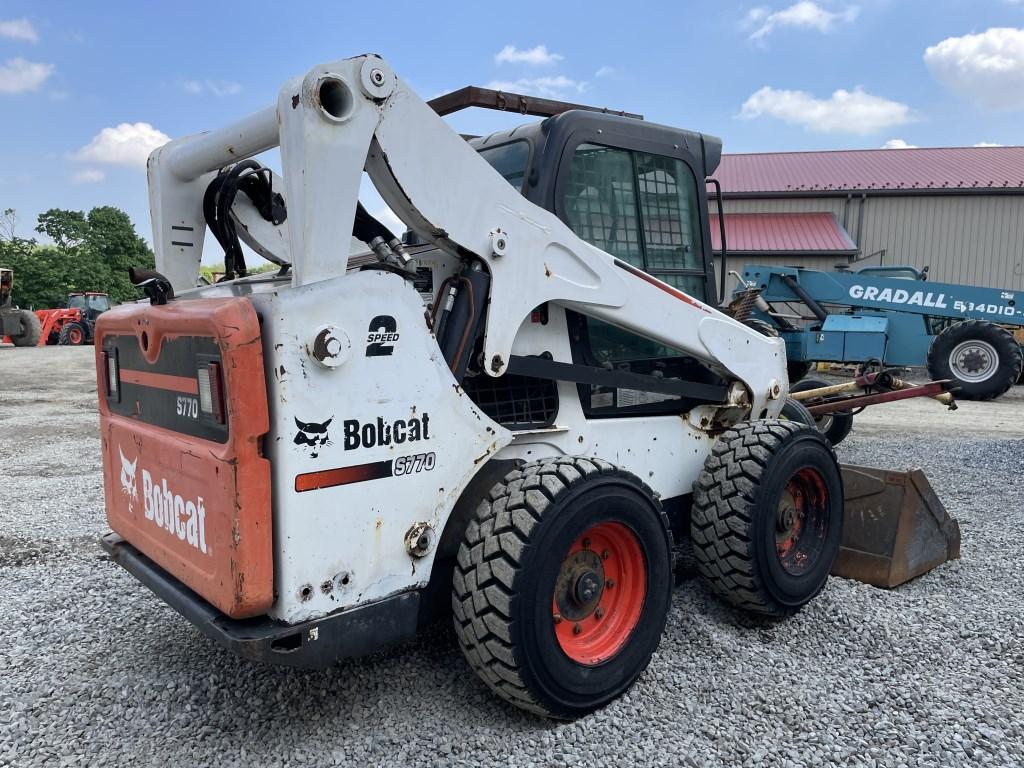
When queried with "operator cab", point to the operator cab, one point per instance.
{"points": [[635, 190]]}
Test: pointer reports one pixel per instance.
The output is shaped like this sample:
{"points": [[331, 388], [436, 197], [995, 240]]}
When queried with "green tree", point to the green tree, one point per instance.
{"points": [[67, 229], [91, 253]]}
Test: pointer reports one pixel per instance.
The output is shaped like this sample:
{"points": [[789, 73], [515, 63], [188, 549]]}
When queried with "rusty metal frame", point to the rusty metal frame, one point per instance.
{"points": [[503, 101], [931, 389]]}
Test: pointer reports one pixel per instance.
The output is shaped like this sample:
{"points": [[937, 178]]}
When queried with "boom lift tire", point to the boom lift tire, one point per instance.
{"points": [[983, 359], [835, 426], [562, 585], [31, 329], [72, 334], [768, 516]]}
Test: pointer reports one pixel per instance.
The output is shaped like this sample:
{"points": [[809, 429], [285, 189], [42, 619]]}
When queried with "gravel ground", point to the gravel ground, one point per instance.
{"points": [[94, 670]]}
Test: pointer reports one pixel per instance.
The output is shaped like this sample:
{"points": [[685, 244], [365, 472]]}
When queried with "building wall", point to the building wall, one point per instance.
{"points": [[970, 239]]}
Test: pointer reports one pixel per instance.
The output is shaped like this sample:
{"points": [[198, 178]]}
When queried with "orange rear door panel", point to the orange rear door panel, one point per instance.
{"points": [[192, 494]]}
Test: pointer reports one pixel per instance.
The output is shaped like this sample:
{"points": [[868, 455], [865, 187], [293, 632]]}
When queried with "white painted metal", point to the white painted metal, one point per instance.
{"points": [[352, 536]]}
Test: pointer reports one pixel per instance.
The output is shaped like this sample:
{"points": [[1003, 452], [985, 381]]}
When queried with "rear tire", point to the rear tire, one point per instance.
{"points": [[72, 334], [562, 585], [835, 426], [797, 370], [981, 358], [768, 516], [31, 330], [794, 410]]}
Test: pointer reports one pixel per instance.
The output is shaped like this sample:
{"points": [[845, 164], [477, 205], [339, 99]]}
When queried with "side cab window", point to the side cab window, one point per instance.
{"points": [[644, 209]]}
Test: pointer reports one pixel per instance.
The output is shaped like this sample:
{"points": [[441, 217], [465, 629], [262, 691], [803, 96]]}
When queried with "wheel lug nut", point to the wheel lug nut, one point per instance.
{"points": [[586, 543], [557, 618], [576, 629], [605, 554], [610, 583], [599, 613]]}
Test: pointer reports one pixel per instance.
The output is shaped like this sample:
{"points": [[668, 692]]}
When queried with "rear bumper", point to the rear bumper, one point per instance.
{"points": [[311, 644]]}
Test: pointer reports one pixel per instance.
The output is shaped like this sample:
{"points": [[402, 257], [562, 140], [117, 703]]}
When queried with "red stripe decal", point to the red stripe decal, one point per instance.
{"points": [[329, 478], [674, 292], [184, 384]]}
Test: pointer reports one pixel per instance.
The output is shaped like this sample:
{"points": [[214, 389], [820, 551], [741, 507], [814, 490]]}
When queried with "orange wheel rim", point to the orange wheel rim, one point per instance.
{"points": [[801, 521], [75, 335], [599, 594]]}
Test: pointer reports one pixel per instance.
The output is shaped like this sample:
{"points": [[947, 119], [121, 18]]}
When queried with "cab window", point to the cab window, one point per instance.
{"points": [[510, 160], [643, 209], [101, 303]]}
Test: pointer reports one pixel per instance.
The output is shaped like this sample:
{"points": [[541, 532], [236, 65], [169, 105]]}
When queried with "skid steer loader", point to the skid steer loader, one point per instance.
{"points": [[527, 420]]}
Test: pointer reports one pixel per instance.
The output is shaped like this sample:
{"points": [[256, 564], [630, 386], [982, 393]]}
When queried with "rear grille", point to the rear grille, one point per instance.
{"points": [[515, 402]]}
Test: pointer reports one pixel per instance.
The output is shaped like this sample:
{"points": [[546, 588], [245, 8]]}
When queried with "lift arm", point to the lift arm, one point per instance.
{"points": [[354, 114]]}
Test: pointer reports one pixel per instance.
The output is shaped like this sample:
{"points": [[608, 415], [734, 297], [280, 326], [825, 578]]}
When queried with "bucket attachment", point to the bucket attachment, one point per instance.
{"points": [[895, 527]]}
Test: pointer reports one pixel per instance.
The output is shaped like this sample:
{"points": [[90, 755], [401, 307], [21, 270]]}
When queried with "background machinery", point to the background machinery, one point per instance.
{"points": [[21, 326], [74, 323], [892, 316], [525, 421]]}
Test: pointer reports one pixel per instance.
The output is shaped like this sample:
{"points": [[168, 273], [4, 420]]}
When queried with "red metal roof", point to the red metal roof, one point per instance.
{"points": [[787, 233], [964, 168]]}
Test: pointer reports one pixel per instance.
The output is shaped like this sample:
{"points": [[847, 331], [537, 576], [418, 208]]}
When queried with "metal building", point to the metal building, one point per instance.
{"points": [[960, 211]]}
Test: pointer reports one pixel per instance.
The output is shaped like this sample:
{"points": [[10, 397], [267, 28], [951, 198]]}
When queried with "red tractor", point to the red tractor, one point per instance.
{"points": [[74, 323]]}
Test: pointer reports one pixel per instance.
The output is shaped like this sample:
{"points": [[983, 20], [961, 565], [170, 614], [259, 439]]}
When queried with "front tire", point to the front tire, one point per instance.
{"points": [[768, 516], [562, 585], [72, 334], [983, 359]]}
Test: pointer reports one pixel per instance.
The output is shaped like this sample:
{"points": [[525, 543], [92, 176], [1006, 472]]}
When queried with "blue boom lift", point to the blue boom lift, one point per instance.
{"points": [[891, 316]]}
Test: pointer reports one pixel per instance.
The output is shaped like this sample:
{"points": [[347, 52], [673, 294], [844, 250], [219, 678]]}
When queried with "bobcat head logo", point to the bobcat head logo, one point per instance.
{"points": [[128, 487], [313, 436]]}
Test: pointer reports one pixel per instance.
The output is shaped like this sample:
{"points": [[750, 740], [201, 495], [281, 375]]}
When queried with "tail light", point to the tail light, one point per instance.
{"points": [[113, 375], [211, 391]]}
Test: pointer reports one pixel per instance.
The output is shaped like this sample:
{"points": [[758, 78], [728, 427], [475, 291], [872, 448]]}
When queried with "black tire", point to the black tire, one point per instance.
{"points": [[513, 557], [73, 334], [836, 426], [31, 330], [982, 359], [737, 506], [794, 410]]}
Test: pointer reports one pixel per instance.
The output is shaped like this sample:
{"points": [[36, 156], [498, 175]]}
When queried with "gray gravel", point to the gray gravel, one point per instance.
{"points": [[96, 671]]}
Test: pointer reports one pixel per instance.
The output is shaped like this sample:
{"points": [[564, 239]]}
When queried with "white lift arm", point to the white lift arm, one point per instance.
{"points": [[349, 115]]}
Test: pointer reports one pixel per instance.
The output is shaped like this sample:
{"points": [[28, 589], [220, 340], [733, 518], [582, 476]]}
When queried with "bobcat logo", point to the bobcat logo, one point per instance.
{"points": [[128, 486], [312, 435]]}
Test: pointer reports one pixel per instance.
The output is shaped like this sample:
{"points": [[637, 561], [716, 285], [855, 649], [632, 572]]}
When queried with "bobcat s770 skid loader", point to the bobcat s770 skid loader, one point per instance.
{"points": [[529, 420]]}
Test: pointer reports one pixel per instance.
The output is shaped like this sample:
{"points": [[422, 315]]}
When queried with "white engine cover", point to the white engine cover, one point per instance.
{"points": [[343, 496]]}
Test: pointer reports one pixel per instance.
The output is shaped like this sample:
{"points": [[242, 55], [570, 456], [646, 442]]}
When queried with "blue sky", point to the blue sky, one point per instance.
{"points": [[86, 89]]}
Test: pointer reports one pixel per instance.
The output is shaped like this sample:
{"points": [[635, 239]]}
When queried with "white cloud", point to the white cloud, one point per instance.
{"points": [[988, 144], [898, 144], [19, 29], [18, 75], [605, 71], [127, 144], [801, 15], [88, 176], [843, 112], [215, 87], [987, 68], [537, 55], [552, 87]]}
